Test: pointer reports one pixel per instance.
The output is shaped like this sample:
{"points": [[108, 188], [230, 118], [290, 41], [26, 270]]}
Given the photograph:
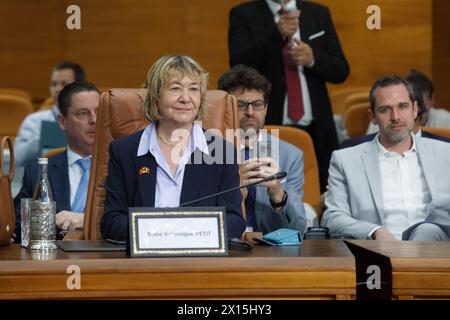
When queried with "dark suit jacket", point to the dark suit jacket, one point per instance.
{"points": [[355, 141], [58, 175], [125, 187], [254, 40]]}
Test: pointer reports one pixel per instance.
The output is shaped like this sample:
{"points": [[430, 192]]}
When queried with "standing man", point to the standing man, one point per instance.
{"points": [[26, 145], [270, 205], [68, 172], [395, 187], [295, 46]]}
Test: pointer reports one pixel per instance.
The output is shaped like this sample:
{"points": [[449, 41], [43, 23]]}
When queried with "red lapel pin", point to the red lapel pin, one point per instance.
{"points": [[144, 170]]}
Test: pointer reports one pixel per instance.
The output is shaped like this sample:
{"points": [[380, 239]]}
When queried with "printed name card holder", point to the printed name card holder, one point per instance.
{"points": [[175, 232]]}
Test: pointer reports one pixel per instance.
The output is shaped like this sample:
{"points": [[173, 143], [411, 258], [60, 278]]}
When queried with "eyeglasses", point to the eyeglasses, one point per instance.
{"points": [[257, 105]]}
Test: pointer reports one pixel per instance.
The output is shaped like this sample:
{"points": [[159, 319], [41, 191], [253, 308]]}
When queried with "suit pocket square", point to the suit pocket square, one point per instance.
{"points": [[281, 237], [316, 35]]}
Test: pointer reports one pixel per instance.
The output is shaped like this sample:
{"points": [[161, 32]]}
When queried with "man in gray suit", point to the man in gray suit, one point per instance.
{"points": [[270, 205], [395, 187]]}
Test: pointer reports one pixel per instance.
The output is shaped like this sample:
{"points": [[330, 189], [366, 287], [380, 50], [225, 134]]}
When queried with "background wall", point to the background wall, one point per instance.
{"points": [[119, 40]]}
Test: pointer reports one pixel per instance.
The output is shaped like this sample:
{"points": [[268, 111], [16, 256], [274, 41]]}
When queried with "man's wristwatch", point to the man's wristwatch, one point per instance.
{"points": [[280, 204]]}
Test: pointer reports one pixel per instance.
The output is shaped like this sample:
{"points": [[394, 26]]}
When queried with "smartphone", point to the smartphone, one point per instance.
{"points": [[263, 149]]}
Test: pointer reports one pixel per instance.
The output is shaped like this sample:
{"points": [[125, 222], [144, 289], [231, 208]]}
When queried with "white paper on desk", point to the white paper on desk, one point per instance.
{"points": [[178, 233]]}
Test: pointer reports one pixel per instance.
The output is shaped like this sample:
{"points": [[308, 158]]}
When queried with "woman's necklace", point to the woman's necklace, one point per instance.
{"points": [[167, 142]]}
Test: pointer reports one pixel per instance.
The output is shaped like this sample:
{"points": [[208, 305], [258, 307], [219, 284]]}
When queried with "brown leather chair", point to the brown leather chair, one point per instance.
{"points": [[303, 141], [16, 92], [340, 97], [54, 152], [357, 119], [47, 104], [438, 131], [13, 110], [356, 98], [118, 116]]}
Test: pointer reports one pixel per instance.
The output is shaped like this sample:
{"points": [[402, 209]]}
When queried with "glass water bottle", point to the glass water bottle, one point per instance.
{"points": [[43, 213]]}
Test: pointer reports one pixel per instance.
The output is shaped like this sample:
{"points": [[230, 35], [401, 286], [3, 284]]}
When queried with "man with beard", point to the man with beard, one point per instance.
{"points": [[273, 204], [395, 187]]}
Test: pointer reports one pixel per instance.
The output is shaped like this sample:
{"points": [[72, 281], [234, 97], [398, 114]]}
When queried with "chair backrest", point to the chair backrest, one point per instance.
{"points": [[357, 120], [302, 140], [54, 152], [438, 131], [47, 104], [119, 115], [356, 98], [13, 109], [339, 96], [16, 92]]}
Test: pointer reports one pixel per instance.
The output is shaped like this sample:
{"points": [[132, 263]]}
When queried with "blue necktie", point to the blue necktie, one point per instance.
{"points": [[250, 200], [79, 201]]}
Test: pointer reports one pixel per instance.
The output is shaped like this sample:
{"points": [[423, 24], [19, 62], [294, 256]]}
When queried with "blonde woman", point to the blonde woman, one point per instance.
{"points": [[155, 167]]}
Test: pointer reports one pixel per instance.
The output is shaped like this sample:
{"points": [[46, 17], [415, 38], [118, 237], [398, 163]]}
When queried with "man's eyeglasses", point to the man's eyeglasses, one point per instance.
{"points": [[257, 105]]}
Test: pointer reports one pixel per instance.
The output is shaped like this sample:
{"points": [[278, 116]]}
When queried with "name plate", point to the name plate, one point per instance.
{"points": [[196, 231]]}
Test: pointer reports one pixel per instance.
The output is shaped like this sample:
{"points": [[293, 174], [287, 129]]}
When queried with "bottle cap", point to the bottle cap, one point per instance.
{"points": [[42, 160]]}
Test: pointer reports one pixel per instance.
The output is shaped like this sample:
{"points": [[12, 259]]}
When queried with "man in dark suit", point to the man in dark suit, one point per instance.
{"points": [[300, 35], [68, 172]]}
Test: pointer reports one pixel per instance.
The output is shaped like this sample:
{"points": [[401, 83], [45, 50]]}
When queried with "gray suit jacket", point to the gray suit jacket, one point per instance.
{"points": [[290, 159], [354, 199]]}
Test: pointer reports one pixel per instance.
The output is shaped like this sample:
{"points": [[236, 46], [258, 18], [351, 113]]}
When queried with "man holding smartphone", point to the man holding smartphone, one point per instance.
{"points": [[295, 46], [273, 204]]}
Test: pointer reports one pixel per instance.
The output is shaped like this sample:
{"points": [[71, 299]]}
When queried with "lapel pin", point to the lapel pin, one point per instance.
{"points": [[144, 170]]}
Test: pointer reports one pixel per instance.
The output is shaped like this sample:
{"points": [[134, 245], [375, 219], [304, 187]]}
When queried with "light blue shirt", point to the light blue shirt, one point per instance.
{"points": [[168, 187], [75, 172]]}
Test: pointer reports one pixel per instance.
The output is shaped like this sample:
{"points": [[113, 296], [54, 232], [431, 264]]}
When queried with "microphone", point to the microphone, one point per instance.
{"points": [[276, 176]]}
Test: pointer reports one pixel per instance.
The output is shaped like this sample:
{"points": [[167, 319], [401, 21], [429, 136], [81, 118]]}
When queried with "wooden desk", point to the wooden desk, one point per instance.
{"points": [[317, 269], [420, 269]]}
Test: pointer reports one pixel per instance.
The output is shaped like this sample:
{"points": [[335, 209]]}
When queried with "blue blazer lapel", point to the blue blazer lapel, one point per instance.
{"points": [[194, 175], [58, 174], [146, 172], [372, 168]]}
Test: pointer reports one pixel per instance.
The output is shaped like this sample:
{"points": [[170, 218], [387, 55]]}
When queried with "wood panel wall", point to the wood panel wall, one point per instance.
{"points": [[441, 53], [119, 40]]}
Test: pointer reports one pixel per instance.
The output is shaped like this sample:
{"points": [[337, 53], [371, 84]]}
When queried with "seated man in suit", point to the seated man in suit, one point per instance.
{"points": [[395, 186], [270, 205], [26, 145], [68, 171]]}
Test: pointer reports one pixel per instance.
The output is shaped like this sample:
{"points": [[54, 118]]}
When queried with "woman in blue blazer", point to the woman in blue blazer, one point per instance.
{"points": [[172, 160]]}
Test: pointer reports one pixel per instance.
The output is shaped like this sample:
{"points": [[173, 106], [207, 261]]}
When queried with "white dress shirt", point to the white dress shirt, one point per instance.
{"points": [[406, 195], [307, 117]]}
